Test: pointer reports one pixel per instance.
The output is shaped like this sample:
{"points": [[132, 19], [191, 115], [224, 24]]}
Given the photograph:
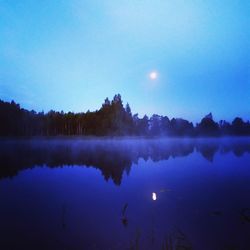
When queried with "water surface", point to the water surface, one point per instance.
{"points": [[125, 194]]}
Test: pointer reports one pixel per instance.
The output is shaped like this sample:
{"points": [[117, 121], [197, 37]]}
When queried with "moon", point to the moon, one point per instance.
{"points": [[153, 75], [154, 197]]}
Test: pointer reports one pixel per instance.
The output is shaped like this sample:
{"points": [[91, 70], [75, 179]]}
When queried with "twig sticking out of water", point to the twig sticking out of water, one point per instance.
{"points": [[124, 217]]}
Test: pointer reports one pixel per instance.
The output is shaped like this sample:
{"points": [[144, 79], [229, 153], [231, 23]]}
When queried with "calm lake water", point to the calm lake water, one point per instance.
{"points": [[125, 194]]}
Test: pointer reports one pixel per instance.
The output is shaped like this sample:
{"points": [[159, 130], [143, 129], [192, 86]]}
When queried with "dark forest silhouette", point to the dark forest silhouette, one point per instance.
{"points": [[111, 119], [112, 157]]}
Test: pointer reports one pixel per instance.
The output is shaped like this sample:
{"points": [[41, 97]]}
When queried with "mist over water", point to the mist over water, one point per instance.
{"points": [[125, 193]]}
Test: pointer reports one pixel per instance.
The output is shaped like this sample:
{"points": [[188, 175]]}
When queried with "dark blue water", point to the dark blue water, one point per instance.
{"points": [[125, 194]]}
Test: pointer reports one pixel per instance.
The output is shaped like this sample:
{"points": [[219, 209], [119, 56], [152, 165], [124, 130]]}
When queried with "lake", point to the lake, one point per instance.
{"points": [[125, 193]]}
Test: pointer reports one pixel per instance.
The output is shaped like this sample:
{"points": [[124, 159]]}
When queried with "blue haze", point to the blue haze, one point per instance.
{"points": [[70, 55]]}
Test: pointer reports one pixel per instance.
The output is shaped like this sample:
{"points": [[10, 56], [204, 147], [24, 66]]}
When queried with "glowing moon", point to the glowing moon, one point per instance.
{"points": [[153, 75], [154, 197]]}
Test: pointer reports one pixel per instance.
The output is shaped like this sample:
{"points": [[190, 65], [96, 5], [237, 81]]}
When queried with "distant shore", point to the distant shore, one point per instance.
{"points": [[89, 137], [111, 120]]}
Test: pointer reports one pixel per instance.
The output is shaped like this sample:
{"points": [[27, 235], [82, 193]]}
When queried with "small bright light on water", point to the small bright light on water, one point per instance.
{"points": [[154, 197], [153, 75]]}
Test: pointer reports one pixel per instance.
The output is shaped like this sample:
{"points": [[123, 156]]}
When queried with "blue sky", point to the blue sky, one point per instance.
{"points": [[70, 55]]}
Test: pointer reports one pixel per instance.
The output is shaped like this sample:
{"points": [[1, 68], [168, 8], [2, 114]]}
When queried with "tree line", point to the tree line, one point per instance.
{"points": [[112, 119]]}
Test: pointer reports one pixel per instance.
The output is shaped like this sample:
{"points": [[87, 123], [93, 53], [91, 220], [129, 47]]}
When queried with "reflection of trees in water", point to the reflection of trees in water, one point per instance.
{"points": [[112, 157], [208, 150]]}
